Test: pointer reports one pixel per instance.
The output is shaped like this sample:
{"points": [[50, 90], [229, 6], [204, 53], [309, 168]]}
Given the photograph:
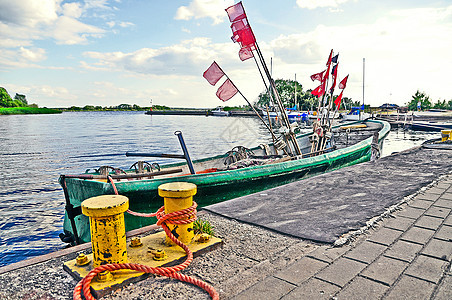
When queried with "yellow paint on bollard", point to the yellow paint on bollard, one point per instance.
{"points": [[108, 233], [446, 135], [178, 196]]}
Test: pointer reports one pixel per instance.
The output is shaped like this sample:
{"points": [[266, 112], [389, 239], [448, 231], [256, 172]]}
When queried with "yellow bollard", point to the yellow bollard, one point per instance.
{"points": [[446, 135], [108, 232], [178, 196]]}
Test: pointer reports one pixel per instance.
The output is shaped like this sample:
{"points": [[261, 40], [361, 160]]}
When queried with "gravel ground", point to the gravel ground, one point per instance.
{"points": [[248, 255]]}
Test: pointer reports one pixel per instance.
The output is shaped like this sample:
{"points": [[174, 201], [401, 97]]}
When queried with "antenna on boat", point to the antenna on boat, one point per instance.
{"points": [[364, 64]]}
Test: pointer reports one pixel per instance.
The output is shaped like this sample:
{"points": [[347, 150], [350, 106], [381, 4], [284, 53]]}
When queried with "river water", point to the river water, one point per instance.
{"points": [[36, 149]]}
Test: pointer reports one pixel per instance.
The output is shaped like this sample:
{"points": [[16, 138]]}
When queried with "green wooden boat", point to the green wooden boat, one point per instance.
{"points": [[218, 178]]}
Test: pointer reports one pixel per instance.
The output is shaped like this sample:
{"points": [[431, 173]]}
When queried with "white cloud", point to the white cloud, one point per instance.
{"points": [[28, 12], [187, 58], [34, 55], [197, 9], [404, 50], [312, 4], [28, 20]]}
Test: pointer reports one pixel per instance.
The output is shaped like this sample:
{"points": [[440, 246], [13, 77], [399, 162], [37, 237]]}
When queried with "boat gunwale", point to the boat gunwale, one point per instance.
{"points": [[251, 172]]}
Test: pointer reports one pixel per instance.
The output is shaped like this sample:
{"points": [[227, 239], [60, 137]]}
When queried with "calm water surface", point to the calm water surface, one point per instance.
{"points": [[36, 149]]}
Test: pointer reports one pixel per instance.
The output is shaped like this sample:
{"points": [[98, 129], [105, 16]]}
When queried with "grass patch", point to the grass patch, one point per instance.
{"points": [[27, 110], [200, 226]]}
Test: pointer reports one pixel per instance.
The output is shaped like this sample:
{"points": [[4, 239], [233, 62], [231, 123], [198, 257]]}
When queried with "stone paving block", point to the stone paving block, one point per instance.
{"points": [[301, 270], [312, 289], [444, 233], [428, 196], [445, 289], [327, 253], [436, 211], [428, 222], [427, 268], [385, 236], [411, 212], [269, 288], [438, 249], [366, 251], [436, 190], [362, 288], [385, 270], [447, 195], [410, 288], [448, 220], [417, 235], [443, 185], [341, 271], [419, 203], [443, 203], [403, 250], [399, 223]]}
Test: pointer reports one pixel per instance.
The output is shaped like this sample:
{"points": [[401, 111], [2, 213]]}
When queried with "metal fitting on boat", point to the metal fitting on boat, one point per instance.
{"points": [[108, 233], [82, 260], [178, 196], [135, 242], [159, 254]]}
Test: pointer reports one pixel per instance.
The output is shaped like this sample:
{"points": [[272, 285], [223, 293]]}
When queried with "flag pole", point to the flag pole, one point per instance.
{"points": [[278, 101], [252, 107]]}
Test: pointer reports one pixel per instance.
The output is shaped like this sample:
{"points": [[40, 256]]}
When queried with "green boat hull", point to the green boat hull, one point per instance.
{"points": [[212, 187]]}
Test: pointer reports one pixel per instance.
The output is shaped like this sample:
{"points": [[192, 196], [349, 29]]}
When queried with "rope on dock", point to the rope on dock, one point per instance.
{"points": [[184, 216]]}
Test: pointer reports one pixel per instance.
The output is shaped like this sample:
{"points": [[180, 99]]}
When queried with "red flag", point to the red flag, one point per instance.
{"points": [[329, 58], [244, 36], [319, 91], [236, 12], [318, 76], [343, 83], [227, 90], [338, 100], [245, 53], [213, 73]]}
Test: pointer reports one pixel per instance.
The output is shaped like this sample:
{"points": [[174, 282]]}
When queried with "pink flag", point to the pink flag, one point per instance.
{"points": [[239, 25], [236, 12], [343, 83], [338, 100], [318, 76], [213, 73], [245, 53], [227, 90]]}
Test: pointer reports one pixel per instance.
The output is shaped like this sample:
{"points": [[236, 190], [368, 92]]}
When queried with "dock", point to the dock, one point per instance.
{"points": [[199, 112], [377, 230]]}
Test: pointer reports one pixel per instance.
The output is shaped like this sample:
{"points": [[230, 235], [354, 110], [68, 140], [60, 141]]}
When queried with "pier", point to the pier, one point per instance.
{"points": [[380, 229]]}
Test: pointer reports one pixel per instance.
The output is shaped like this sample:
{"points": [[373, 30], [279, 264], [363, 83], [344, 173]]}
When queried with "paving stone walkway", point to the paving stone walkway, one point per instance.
{"points": [[407, 257]]}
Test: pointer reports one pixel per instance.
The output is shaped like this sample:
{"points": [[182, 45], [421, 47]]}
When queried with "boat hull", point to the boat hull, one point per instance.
{"points": [[213, 187]]}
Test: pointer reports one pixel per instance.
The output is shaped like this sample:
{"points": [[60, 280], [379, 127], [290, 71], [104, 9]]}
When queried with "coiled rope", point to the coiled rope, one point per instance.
{"points": [[184, 216]]}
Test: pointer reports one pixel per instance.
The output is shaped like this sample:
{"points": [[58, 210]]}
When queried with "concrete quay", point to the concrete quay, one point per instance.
{"points": [[408, 256], [396, 245]]}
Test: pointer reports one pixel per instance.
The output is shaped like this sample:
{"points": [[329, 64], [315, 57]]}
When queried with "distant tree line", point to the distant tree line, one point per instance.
{"points": [[424, 99], [100, 108], [291, 93]]}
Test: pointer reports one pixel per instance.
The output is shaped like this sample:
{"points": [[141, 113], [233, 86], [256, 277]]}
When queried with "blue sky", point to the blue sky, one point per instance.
{"points": [[108, 52]]}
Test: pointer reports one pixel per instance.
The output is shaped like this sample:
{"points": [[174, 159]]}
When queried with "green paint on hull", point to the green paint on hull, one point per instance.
{"points": [[214, 187]]}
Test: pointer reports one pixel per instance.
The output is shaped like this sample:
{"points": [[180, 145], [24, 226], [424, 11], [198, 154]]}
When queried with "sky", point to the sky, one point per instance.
{"points": [[107, 52]]}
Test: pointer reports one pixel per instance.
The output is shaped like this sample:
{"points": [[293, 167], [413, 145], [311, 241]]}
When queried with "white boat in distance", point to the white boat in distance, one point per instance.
{"points": [[219, 112]]}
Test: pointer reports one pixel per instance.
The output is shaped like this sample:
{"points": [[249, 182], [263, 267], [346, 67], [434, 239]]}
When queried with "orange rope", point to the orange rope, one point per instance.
{"points": [[178, 217]]}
